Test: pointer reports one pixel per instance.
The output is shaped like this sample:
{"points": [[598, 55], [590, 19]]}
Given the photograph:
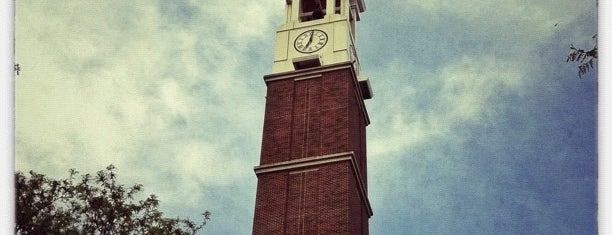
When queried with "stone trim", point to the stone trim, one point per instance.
{"points": [[307, 72], [303, 171], [308, 77]]}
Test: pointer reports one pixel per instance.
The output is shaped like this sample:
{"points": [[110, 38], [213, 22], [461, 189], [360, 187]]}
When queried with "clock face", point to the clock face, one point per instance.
{"points": [[310, 41]]}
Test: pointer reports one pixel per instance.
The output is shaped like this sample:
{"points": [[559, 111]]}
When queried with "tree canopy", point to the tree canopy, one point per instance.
{"points": [[91, 204]]}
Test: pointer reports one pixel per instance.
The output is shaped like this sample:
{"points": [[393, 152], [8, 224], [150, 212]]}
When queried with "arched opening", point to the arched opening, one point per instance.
{"points": [[312, 10]]}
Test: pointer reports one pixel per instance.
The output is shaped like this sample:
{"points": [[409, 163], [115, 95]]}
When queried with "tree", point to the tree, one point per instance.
{"points": [[91, 204], [584, 58]]}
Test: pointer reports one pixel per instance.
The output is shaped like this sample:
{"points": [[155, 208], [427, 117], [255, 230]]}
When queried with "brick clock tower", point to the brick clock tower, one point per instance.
{"points": [[312, 175]]}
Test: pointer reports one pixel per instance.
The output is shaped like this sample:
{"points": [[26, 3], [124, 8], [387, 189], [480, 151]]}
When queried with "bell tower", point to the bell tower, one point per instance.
{"points": [[312, 174]]}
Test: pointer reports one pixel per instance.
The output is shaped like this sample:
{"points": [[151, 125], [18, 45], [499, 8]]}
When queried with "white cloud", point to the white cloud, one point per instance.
{"points": [[514, 26], [540, 15], [424, 105], [102, 83], [77, 78], [175, 99], [167, 103], [460, 93], [244, 21]]}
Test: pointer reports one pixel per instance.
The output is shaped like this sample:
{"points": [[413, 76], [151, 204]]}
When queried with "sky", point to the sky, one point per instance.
{"points": [[478, 124]]}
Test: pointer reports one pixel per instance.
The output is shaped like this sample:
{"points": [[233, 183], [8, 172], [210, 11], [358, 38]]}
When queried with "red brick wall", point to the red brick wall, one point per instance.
{"points": [[312, 117], [320, 200], [306, 118], [270, 206]]}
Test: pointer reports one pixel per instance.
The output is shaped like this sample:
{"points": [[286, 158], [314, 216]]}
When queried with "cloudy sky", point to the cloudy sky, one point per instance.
{"points": [[479, 126]]}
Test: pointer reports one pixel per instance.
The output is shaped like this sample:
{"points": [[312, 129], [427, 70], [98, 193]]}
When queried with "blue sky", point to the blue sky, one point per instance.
{"points": [[479, 126]]}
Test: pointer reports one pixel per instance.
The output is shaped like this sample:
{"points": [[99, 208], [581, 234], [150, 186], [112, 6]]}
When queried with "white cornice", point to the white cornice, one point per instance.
{"points": [[303, 162]]}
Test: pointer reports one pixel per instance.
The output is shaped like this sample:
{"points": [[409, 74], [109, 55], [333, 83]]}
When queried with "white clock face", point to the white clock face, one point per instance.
{"points": [[310, 41]]}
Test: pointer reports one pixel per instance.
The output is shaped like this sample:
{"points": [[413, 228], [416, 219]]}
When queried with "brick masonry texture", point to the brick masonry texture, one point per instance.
{"points": [[305, 118]]}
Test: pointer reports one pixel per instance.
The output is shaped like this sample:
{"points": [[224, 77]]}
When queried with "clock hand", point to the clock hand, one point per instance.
{"points": [[309, 40]]}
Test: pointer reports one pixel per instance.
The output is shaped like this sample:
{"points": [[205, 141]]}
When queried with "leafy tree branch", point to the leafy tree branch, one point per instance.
{"points": [[583, 57]]}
